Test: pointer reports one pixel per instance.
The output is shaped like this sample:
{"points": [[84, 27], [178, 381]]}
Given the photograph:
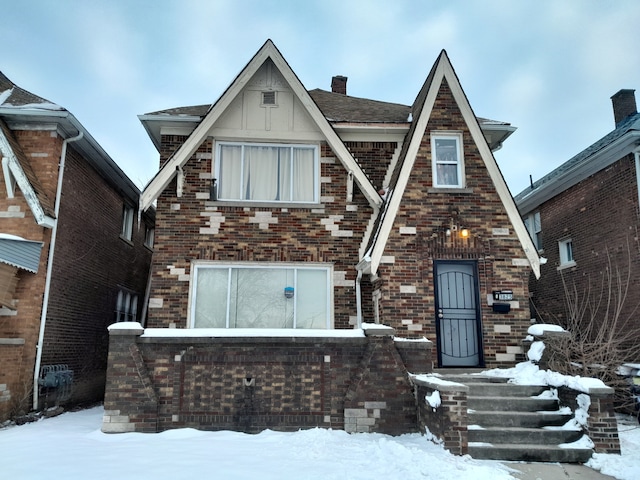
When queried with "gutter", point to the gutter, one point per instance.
{"points": [[47, 285], [636, 154]]}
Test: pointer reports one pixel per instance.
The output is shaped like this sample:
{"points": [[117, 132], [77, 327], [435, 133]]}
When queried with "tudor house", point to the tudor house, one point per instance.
{"points": [[583, 218], [279, 207], [73, 258], [311, 249]]}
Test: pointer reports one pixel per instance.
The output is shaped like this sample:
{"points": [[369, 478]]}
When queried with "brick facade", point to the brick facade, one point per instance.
{"points": [[607, 203], [91, 262], [358, 383], [419, 239]]}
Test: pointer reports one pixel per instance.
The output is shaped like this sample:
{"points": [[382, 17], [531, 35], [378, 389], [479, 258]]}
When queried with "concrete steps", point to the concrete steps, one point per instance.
{"points": [[517, 422]]}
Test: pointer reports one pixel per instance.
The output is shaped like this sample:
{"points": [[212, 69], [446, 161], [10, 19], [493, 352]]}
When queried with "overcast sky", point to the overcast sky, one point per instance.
{"points": [[549, 67]]}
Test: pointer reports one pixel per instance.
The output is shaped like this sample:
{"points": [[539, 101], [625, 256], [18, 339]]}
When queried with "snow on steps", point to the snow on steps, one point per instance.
{"points": [[518, 423]]}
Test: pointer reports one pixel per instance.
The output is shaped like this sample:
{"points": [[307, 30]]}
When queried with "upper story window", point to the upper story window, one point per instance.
{"points": [[149, 235], [448, 164], [251, 295], [267, 172], [566, 253], [127, 222], [534, 227]]}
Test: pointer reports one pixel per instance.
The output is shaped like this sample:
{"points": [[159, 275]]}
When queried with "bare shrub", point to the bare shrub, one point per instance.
{"points": [[601, 336]]}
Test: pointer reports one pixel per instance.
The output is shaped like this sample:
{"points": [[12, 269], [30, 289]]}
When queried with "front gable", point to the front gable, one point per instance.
{"points": [[266, 72], [267, 108], [442, 108]]}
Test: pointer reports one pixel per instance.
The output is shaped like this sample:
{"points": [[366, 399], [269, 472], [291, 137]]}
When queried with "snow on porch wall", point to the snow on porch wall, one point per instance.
{"points": [[249, 384]]}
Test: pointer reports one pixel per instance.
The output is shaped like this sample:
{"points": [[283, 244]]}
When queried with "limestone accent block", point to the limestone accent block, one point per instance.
{"points": [[407, 289], [340, 279], [502, 328], [213, 220], [408, 230], [263, 219]]}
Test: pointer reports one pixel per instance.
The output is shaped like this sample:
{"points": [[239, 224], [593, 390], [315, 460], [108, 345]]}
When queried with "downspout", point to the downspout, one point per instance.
{"points": [[47, 283], [358, 300]]}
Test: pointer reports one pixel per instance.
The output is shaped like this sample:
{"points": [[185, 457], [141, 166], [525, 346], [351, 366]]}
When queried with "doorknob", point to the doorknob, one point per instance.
{"points": [[440, 313]]}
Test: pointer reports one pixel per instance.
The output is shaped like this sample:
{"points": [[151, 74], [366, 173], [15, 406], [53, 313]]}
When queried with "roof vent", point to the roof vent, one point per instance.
{"points": [[339, 84], [624, 104], [269, 97]]}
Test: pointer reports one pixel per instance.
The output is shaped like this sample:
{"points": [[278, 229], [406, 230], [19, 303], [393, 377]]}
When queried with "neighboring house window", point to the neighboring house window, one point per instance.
{"points": [[126, 307], [534, 227], [566, 253], [261, 296], [149, 235], [127, 222], [267, 172], [448, 167]]}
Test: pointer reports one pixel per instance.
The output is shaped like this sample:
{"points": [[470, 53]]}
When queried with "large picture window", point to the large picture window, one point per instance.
{"points": [[448, 167], [267, 172], [260, 296]]}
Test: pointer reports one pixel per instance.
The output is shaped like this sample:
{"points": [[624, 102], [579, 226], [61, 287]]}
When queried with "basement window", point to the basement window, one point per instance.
{"points": [[252, 295]]}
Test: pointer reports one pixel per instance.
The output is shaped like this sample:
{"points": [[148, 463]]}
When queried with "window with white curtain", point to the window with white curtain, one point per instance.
{"points": [[261, 296], [267, 172]]}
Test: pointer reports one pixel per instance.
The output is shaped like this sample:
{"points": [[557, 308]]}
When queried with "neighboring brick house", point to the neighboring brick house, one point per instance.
{"points": [[294, 210], [584, 219], [72, 255]]}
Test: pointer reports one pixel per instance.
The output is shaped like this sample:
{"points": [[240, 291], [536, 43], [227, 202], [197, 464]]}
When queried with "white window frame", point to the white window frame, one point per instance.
{"points": [[565, 248], [459, 161], [197, 265], [533, 222], [127, 222], [316, 171]]}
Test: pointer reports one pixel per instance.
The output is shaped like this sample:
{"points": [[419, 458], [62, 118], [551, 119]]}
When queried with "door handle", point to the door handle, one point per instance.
{"points": [[440, 313]]}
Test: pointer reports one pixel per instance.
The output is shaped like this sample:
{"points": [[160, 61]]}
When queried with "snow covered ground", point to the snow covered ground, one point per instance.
{"points": [[71, 446]]}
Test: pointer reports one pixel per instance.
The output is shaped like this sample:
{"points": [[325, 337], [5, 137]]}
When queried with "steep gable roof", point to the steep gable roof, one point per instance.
{"points": [[195, 139], [422, 108]]}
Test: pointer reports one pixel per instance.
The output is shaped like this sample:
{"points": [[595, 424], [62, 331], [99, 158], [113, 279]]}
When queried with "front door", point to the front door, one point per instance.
{"points": [[458, 321]]}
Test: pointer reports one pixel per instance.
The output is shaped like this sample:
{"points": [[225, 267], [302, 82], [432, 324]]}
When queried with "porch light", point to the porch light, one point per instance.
{"points": [[464, 232]]}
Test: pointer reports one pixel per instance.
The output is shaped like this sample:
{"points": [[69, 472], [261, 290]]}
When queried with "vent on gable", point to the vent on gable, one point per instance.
{"points": [[269, 98]]}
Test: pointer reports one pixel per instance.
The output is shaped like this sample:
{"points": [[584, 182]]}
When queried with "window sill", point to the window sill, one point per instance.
{"points": [[126, 240], [450, 190], [231, 203], [564, 266]]}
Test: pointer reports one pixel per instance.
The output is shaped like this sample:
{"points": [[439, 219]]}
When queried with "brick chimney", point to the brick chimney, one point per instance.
{"points": [[624, 104], [339, 84]]}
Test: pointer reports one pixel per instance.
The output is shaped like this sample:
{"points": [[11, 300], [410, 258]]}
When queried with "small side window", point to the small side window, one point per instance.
{"points": [[566, 253], [534, 227], [127, 222], [149, 235]]}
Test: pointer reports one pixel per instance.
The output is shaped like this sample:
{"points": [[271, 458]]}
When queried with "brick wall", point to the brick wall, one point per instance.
{"points": [[20, 327], [448, 421], [357, 383], [92, 262], [193, 228], [606, 203]]}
